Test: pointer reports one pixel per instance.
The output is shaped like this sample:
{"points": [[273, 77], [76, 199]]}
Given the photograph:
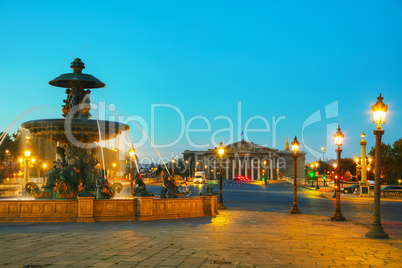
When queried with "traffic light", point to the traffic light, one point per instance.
{"points": [[324, 177]]}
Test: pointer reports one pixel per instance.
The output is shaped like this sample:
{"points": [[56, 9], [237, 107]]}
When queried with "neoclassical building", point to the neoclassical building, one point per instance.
{"points": [[246, 159]]}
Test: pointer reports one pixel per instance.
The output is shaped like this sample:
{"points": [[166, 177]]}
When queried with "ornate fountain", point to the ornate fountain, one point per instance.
{"points": [[75, 170]]}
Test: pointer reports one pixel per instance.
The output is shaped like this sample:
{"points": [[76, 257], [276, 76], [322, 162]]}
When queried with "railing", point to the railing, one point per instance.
{"points": [[391, 193]]}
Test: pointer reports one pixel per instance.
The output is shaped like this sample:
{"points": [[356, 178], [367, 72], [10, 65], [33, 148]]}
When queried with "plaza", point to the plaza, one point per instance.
{"points": [[237, 237]]}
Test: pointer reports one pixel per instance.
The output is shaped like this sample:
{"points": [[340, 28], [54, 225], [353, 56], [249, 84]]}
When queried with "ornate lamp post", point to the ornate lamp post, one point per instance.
{"points": [[26, 165], [173, 166], [295, 149], [132, 155], [114, 172], [316, 168], [187, 170], [379, 111], [323, 152], [357, 160], [335, 176], [8, 160], [338, 142], [312, 175], [221, 151], [323, 165]]}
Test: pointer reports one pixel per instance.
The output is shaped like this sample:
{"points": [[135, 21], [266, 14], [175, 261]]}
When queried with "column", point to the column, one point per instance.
{"points": [[259, 168], [239, 167], [246, 166], [227, 161], [271, 167], [252, 168], [233, 168], [363, 170]]}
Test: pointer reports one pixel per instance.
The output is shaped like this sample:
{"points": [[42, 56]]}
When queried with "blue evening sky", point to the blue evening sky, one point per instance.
{"points": [[285, 68]]}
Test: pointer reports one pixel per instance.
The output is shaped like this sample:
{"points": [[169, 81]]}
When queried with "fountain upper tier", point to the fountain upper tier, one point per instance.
{"points": [[69, 131], [76, 126], [77, 78]]}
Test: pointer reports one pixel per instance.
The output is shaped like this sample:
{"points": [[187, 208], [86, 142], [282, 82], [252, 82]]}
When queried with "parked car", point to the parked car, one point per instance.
{"points": [[350, 189], [391, 187], [241, 178]]}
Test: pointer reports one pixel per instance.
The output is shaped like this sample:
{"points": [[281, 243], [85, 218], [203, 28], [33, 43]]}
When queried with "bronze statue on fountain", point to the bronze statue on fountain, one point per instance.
{"points": [[75, 169], [141, 189]]}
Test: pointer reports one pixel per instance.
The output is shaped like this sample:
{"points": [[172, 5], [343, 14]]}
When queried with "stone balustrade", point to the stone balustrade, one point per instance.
{"points": [[86, 209]]}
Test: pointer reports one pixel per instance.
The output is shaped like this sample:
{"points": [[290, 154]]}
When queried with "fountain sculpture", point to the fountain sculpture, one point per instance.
{"points": [[74, 172]]}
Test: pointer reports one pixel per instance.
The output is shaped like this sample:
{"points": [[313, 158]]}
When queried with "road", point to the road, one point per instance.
{"points": [[278, 197]]}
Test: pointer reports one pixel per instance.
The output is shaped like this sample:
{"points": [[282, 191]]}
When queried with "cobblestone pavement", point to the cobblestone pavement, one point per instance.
{"points": [[232, 239]]}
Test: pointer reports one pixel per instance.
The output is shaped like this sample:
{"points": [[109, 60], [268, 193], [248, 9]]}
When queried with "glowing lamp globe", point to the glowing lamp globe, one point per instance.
{"points": [[295, 145], [379, 112], [221, 151], [338, 137], [131, 152]]}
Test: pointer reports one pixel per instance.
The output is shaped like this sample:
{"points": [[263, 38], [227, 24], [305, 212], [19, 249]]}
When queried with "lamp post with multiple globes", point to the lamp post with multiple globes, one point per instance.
{"points": [[337, 216], [295, 149], [221, 152], [379, 112]]}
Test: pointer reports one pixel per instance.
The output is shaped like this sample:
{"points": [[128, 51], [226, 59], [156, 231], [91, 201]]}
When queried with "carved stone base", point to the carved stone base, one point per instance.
{"points": [[85, 209]]}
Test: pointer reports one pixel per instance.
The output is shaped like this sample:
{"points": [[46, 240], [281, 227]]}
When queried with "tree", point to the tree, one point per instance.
{"points": [[397, 160], [387, 162], [348, 164]]}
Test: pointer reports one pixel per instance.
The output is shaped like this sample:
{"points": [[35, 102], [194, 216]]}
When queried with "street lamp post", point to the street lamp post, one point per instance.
{"points": [[335, 178], [26, 166], [132, 155], [312, 174], [323, 165], [187, 170], [173, 167], [114, 164], [379, 111], [357, 160], [114, 172], [316, 168], [337, 216], [8, 161], [323, 152], [295, 149], [221, 151]]}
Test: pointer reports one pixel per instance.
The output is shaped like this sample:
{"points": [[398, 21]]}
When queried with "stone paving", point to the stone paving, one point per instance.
{"points": [[232, 239]]}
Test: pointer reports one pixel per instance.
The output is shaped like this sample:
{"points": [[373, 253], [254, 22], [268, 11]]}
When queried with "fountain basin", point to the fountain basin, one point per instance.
{"points": [[82, 130], [86, 209]]}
